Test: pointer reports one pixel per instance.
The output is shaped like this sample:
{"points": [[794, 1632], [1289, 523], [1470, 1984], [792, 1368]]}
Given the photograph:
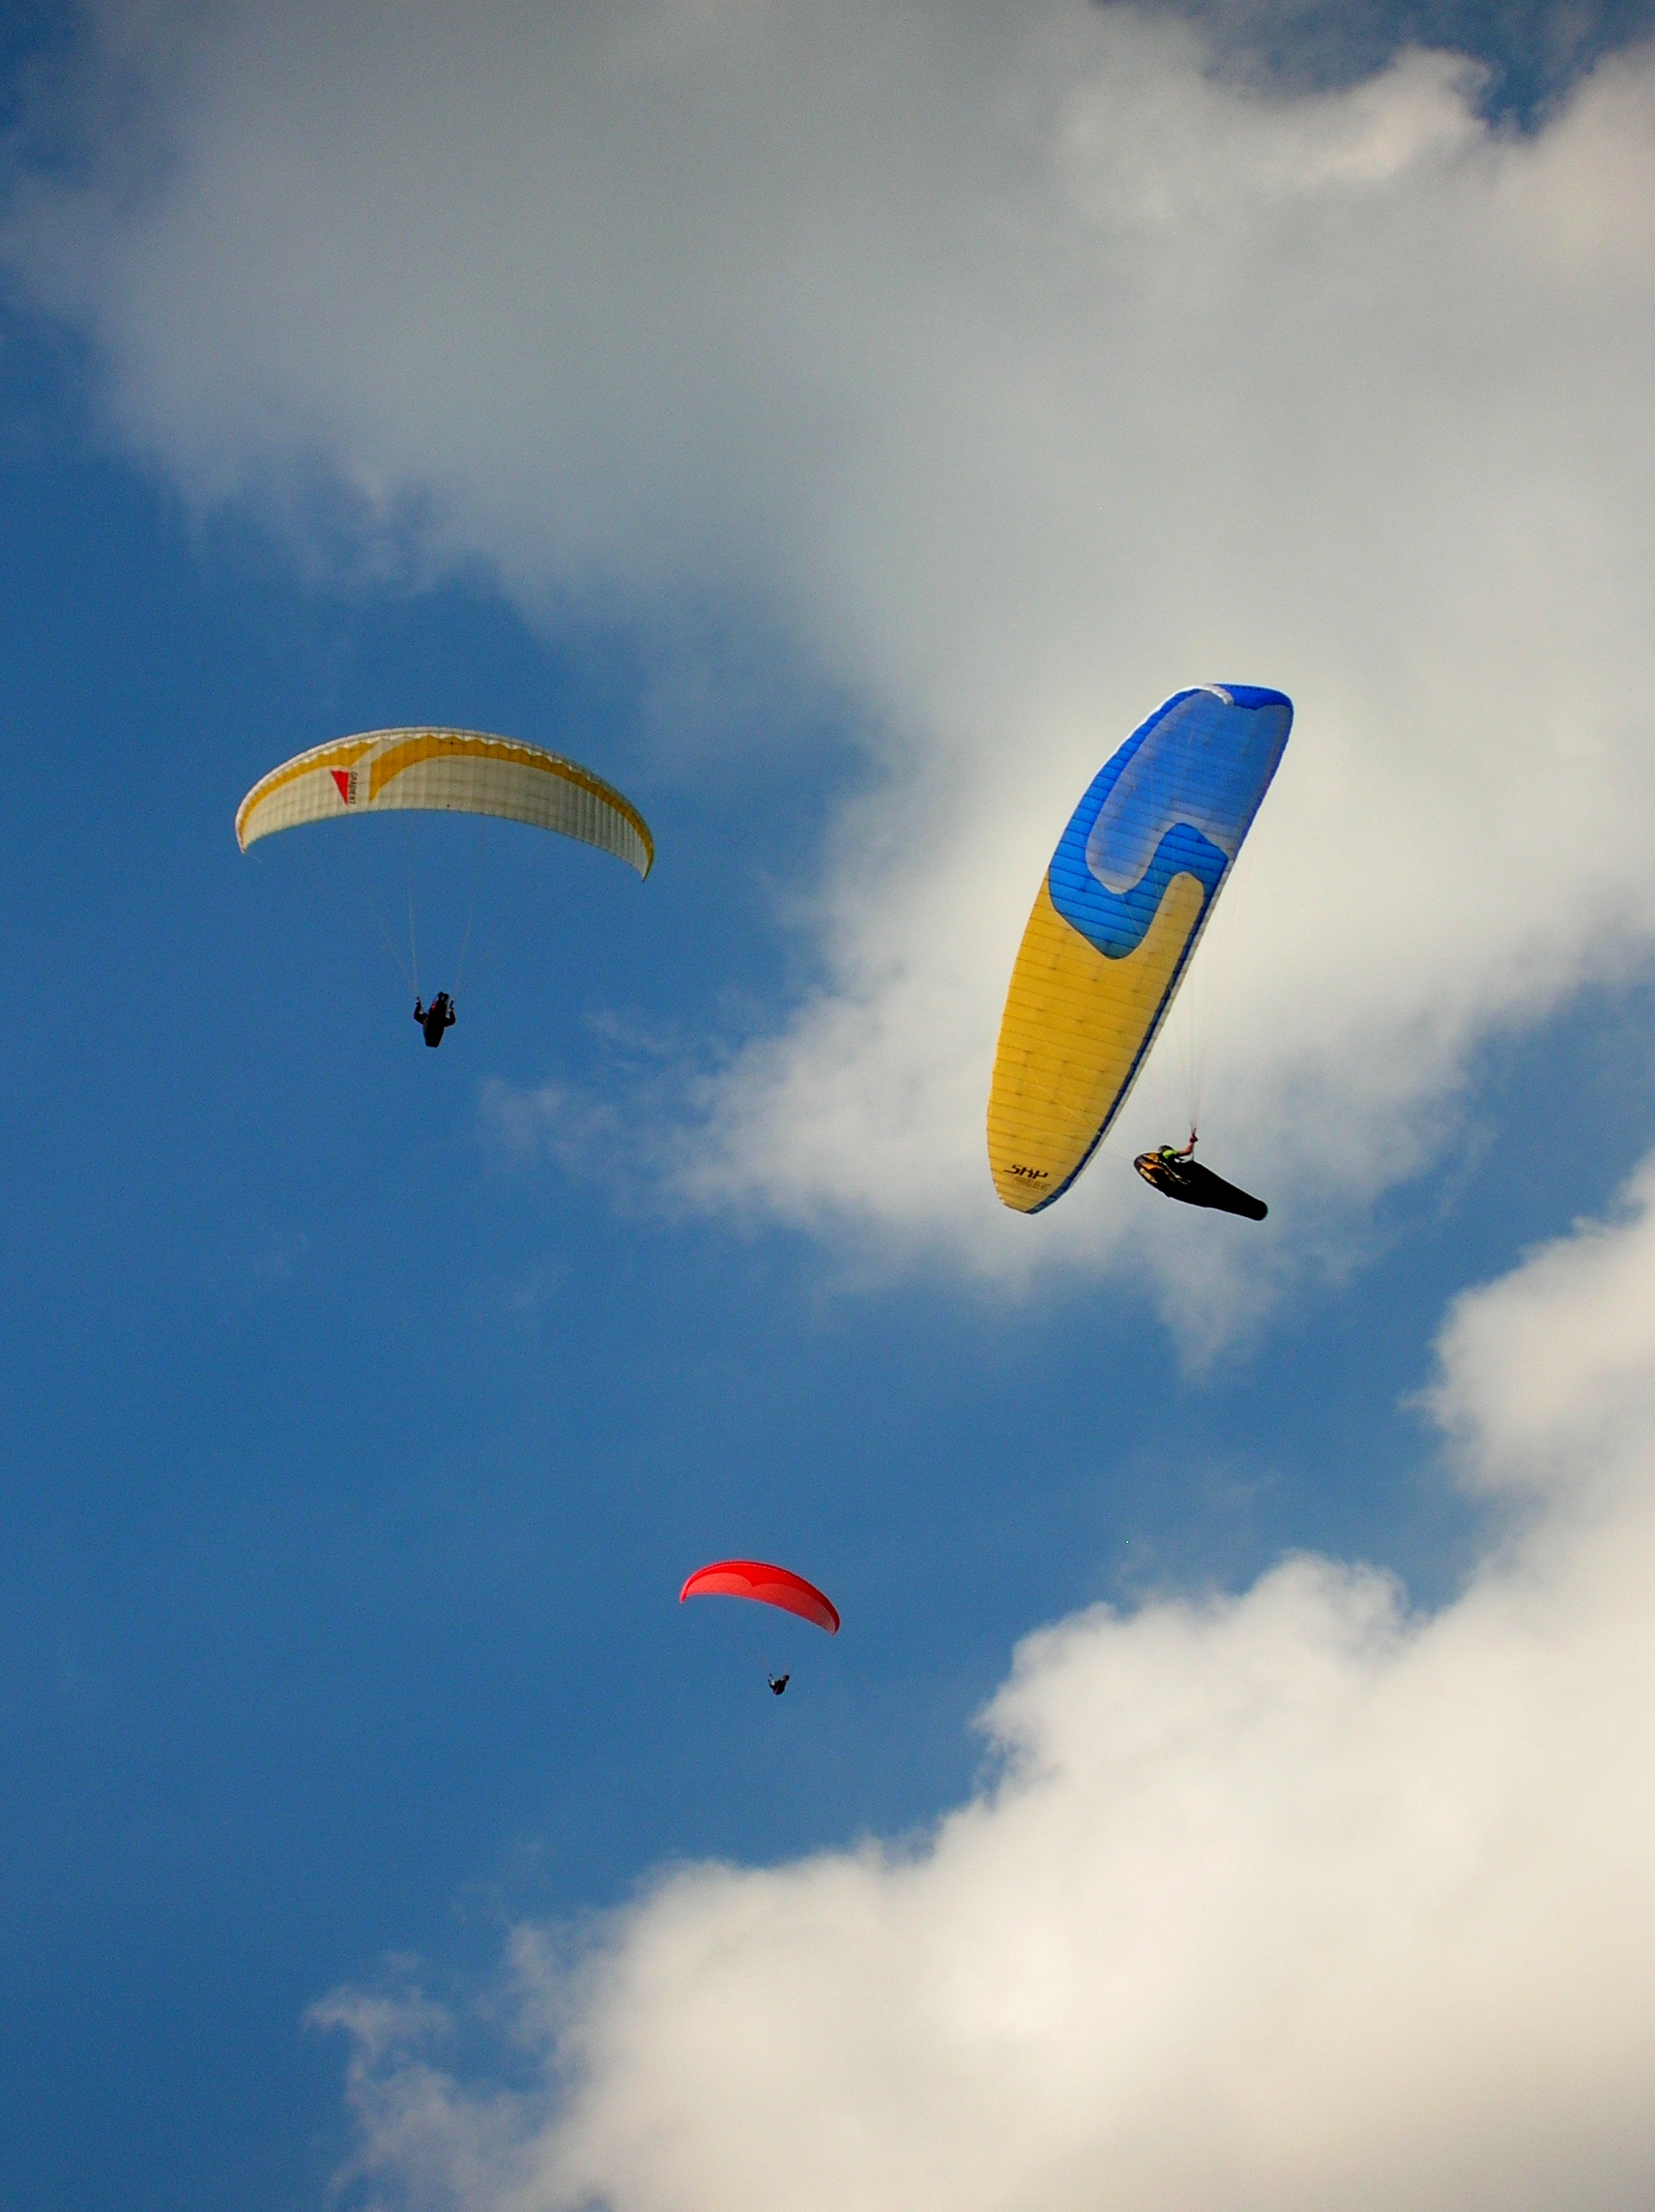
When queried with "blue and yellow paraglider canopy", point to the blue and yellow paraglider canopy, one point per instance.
{"points": [[1130, 888]]}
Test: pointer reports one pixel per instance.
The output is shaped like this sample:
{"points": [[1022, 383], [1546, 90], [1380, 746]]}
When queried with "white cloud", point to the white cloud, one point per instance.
{"points": [[1292, 1898], [1015, 371]]}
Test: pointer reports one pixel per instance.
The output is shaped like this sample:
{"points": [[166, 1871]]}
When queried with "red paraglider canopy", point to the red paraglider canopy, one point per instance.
{"points": [[767, 1585]]}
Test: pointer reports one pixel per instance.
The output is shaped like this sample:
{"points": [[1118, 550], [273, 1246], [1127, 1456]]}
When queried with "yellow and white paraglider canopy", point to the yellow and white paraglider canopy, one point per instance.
{"points": [[462, 772]]}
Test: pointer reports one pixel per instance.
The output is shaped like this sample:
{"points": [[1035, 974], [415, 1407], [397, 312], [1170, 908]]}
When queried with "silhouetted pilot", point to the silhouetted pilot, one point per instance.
{"points": [[435, 1018], [778, 1683]]}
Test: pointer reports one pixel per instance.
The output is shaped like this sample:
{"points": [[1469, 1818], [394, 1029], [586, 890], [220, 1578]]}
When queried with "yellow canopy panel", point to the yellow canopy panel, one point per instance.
{"points": [[1075, 1028], [463, 772]]}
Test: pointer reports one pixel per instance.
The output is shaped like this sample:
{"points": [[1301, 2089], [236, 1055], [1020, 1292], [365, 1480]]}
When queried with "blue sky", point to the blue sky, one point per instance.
{"points": [[366, 1406]]}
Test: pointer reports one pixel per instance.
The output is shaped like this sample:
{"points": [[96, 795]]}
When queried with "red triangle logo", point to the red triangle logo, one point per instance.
{"points": [[343, 777]]}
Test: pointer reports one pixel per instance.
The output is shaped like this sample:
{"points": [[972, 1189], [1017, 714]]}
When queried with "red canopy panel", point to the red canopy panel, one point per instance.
{"points": [[766, 1586]]}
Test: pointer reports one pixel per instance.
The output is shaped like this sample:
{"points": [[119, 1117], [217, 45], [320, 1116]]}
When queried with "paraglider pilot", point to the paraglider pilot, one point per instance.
{"points": [[778, 1683], [435, 1018], [1175, 1172]]}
